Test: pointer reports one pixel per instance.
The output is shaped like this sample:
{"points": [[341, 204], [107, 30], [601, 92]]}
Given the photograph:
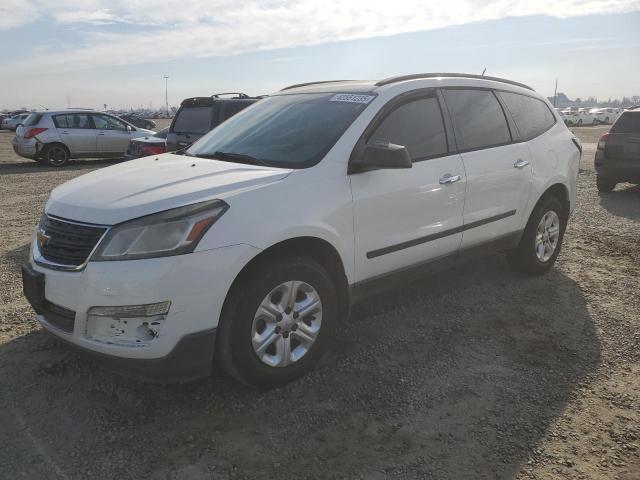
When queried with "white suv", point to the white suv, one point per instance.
{"points": [[251, 246]]}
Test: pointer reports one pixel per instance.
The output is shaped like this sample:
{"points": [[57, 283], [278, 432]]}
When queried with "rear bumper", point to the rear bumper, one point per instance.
{"points": [[617, 169], [25, 148]]}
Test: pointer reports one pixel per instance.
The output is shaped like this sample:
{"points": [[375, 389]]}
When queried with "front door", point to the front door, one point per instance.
{"points": [[409, 216], [112, 134]]}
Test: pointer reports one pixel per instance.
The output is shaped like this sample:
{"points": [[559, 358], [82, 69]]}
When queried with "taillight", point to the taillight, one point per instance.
{"points": [[32, 132], [603, 141], [153, 150]]}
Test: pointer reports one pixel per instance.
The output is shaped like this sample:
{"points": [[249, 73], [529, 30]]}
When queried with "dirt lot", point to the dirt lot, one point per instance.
{"points": [[474, 373]]}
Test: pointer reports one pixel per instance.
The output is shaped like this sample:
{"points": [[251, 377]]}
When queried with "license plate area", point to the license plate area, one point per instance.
{"points": [[33, 287]]}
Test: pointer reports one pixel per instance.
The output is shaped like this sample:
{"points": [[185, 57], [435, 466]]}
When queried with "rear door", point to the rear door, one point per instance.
{"points": [[623, 143], [76, 132], [498, 169], [112, 135], [408, 216]]}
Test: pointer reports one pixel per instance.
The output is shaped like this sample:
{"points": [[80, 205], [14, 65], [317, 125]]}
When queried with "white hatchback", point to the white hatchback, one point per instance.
{"points": [[251, 246]]}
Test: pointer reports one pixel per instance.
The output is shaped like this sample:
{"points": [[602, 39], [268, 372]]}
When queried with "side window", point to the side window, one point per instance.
{"points": [[417, 125], [60, 121], [72, 120], [105, 122], [478, 117], [231, 108], [531, 115]]}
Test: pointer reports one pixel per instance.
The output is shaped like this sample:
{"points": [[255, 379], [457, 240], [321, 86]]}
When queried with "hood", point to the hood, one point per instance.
{"points": [[152, 184]]}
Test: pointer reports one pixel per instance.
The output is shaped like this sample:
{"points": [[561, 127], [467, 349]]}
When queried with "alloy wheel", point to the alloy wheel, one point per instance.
{"points": [[287, 323], [547, 236]]}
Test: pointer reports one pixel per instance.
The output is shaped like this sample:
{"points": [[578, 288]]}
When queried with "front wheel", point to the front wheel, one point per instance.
{"points": [[277, 322], [580, 122], [542, 238]]}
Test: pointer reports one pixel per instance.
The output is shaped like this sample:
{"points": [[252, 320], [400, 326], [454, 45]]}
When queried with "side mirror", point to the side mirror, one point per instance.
{"points": [[384, 155]]}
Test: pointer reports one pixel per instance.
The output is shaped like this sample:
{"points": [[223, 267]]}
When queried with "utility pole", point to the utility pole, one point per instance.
{"points": [[555, 94], [166, 91]]}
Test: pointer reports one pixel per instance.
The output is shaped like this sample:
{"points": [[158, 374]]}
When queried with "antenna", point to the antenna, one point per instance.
{"points": [[483, 71]]}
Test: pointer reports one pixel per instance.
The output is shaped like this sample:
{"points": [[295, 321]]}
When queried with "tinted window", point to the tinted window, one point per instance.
{"points": [[293, 131], [627, 123], [418, 126], [531, 115], [232, 107], [105, 122], [72, 120], [478, 117], [193, 120]]}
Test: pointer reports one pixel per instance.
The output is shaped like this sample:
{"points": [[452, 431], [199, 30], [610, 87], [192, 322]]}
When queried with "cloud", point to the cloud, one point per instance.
{"points": [[203, 28]]}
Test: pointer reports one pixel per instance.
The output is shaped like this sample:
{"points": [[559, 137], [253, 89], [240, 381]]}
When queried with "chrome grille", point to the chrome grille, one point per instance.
{"points": [[67, 243]]}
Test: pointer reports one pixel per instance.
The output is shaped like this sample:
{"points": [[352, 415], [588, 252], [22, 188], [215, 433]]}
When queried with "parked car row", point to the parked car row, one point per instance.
{"points": [[55, 137], [12, 122], [249, 246], [589, 116]]}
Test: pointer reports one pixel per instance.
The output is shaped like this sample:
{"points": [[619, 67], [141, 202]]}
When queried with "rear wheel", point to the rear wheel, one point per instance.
{"points": [[605, 184], [542, 238], [277, 322], [580, 122], [55, 155]]}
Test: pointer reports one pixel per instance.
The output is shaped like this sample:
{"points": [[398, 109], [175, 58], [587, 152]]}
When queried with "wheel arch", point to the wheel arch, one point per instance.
{"points": [[558, 190], [315, 248], [56, 143]]}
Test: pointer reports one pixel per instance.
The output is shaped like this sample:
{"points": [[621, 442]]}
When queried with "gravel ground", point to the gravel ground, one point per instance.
{"points": [[474, 373]]}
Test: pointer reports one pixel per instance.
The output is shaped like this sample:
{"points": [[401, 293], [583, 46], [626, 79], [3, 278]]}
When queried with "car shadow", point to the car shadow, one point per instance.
{"points": [[458, 375], [21, 167], [623, 202]]}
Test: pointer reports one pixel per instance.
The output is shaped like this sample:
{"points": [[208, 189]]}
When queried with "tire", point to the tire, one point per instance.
{"points": [[605, 185], [244, 324], [55, 155], [606, 121], [526, 257], [580, 122]]}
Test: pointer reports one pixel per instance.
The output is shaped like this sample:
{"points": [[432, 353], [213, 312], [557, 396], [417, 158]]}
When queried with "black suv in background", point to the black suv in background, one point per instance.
{"points": [[618, 154], [198, 115]]}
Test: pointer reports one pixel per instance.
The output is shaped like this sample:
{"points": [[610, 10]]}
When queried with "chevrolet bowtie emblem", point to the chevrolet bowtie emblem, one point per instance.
{"points": [[42, 238]]}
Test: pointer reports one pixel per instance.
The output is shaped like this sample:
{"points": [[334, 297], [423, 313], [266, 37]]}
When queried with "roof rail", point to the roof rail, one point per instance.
{"points": [[416, 76], [297, 85], [239, 94]]}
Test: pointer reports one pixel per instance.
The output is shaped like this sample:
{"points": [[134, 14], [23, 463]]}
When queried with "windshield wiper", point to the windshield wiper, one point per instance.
{"points": [[233, 157]]}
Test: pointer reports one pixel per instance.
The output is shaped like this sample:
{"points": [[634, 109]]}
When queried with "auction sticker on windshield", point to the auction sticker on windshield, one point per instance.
{"points": [[351, 98]]}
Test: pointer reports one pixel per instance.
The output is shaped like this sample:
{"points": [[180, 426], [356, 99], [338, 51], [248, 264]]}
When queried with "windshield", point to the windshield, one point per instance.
{"points": [[292, 131]]}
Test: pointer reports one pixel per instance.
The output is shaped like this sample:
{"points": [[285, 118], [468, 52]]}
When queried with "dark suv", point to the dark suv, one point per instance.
{"points": [[198, 115], [618, 154]]}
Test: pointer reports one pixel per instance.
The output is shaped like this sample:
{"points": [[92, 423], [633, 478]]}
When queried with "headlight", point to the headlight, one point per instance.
{"points": [[172, 232]]}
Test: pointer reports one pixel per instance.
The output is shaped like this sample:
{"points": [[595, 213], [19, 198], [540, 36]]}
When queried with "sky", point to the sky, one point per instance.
{"points": [[59, 53]]}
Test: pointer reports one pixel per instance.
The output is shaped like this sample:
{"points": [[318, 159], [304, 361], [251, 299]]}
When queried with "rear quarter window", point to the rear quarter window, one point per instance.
{"points": [[627, 123], [193, 120], [32, 119], [532, 116]]}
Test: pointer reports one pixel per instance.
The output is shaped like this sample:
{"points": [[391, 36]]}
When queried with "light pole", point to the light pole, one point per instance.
{"points": [[166, 91]]}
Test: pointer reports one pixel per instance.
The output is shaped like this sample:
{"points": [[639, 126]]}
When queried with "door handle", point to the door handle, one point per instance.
{"points": [[64, 132], [100, 134], [447, 178], [521, 163]]}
